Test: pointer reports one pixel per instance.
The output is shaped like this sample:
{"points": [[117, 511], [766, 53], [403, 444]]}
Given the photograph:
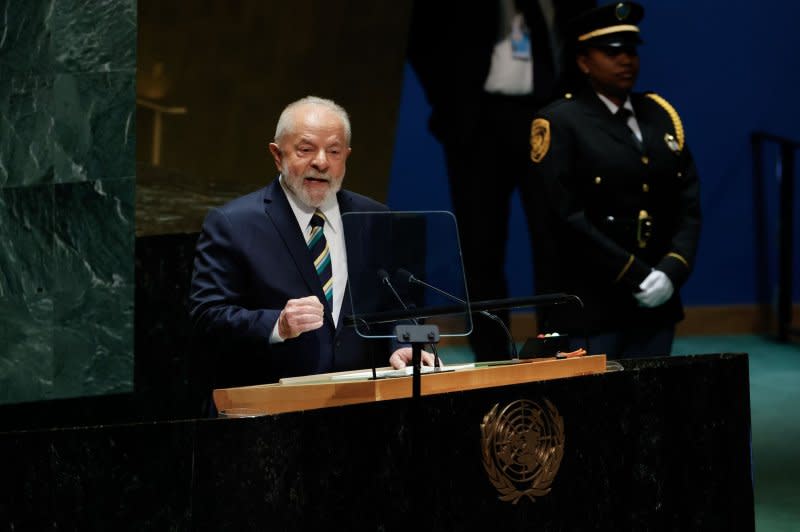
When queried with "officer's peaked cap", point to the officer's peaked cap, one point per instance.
{"points": [[609, 25]]}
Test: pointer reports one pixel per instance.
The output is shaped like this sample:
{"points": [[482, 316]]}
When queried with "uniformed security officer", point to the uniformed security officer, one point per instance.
{"points": [[622, 195]]}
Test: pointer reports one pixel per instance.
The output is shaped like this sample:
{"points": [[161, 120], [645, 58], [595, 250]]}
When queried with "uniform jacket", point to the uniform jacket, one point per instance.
{"points": [[616, 209], [251, 258]]}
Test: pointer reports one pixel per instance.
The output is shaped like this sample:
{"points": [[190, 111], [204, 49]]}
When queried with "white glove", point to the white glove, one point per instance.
{"points": [[656, 290]]}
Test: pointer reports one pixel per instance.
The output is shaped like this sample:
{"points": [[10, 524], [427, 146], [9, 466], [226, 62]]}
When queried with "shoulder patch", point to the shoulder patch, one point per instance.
{"points": [[673, 115], [540, 139]]}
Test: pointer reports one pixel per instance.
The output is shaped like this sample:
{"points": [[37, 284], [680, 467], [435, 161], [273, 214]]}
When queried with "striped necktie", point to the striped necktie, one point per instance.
{"points": [[318, 246]]}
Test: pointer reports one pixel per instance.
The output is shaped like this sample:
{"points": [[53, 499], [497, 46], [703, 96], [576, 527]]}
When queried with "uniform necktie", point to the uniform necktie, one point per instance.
{"points": [[623, 114], [318, 246]]}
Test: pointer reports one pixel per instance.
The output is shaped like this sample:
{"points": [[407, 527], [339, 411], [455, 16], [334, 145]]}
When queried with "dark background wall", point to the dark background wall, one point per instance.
{"points": [[728, 69], [234, 65]]}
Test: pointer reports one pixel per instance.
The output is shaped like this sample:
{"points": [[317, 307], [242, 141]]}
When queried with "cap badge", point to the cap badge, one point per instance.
{"points": [[622, 11]]}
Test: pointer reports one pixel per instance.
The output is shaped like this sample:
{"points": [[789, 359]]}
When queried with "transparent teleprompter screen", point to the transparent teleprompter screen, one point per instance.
{"points": [[405, 268]]}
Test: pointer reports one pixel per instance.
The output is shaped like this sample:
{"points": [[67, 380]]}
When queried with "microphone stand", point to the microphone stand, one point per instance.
{"points": [[371, 349], [475, 306], [417, 336], [383, 277], [493, 317]]}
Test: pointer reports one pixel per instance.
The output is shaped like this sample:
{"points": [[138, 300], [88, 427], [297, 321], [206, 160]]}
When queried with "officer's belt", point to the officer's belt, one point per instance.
{"points": [[629, 229]]}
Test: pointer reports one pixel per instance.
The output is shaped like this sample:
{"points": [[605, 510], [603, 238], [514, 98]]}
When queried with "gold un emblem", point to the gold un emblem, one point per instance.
{"points": [[522, 447]]}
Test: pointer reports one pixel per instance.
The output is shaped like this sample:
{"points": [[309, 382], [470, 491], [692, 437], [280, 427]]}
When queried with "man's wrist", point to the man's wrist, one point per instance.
{"points": [[276, 337]]}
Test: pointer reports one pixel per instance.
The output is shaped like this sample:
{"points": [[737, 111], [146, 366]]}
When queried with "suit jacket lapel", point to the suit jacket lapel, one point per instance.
{"points": [[277, 208]]}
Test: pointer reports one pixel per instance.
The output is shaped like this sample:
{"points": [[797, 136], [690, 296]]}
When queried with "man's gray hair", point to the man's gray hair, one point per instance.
{"points": [[286, 120]]}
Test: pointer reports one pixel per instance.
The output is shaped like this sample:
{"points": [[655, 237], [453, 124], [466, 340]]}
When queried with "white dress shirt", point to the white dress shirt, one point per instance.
{"points": [[632, 123], [334, 234]]}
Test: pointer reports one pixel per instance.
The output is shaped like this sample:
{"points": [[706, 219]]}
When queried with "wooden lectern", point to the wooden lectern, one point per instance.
{"points": [[346, 388]]}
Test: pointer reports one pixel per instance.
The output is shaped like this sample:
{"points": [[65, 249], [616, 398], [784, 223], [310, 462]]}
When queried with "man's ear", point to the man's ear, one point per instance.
{"points": [[277, 156]]}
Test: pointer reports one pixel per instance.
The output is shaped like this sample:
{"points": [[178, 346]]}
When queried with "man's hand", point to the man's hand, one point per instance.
{"points": [[656, 290], [299, 316], [402, 358]]}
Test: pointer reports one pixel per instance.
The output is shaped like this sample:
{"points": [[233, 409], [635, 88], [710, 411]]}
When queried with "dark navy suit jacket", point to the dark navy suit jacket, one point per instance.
{"points": [[251, 258]]}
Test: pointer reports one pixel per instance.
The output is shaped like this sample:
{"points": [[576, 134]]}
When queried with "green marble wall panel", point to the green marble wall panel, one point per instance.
{"points": [[26, 302], [26, 357], [94, 126], [25, 37], [93, 287], [94, 35], [42, 36], [26, 241], [67, 188], [26, 123], [71, 127]]}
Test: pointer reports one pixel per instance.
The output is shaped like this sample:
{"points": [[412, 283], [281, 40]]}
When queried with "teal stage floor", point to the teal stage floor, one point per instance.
{"points": [[775, 417]]}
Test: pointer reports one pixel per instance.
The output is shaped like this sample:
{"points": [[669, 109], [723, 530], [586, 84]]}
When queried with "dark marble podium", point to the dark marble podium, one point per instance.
{"points": [[663, 444]]}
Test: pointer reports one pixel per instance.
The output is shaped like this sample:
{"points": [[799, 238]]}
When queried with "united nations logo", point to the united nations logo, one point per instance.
{"points": [[522, 447]]}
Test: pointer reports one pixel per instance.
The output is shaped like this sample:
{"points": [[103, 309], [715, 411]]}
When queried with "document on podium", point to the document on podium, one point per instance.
{"points": [[389, 373]]}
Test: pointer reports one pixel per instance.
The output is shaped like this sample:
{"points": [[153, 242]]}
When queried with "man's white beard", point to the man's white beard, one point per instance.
{"points": [[295, 184]]}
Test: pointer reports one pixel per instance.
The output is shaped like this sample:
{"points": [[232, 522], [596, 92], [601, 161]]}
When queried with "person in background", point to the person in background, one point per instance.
{"points": [[622, 193], [270, 271], [486, 67]]}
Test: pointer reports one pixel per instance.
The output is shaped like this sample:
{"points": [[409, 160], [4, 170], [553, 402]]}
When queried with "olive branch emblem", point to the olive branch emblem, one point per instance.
{"points": [[522, 448]]}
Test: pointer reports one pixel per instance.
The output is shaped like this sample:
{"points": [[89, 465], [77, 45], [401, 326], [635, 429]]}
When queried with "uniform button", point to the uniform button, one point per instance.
{"points": [[568, 96], [598, 180], [645, 160], [680, 174], [645, 187]]}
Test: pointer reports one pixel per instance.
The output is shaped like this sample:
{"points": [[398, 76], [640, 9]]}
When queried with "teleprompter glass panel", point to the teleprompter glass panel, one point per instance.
{"points": [[405, 268]]}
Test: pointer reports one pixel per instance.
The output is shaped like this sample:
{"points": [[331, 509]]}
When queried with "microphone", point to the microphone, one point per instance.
{"points": [[407, 277], [383, 277]]}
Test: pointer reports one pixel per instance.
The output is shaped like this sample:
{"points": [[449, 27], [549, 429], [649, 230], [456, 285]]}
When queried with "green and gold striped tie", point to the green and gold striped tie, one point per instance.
{"points": [[318, 246]]}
